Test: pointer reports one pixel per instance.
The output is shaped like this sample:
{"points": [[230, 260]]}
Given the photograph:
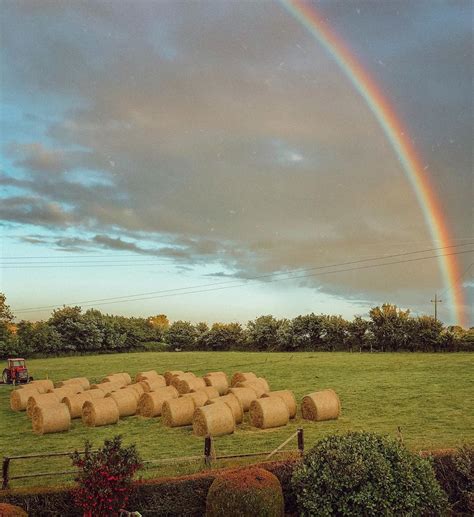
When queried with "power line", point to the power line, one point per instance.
{"points": [[271, 280], [459, 278], [268, 275]]}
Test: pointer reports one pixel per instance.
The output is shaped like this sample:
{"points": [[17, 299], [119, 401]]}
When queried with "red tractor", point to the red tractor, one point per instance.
{"points": [[16, 372]]}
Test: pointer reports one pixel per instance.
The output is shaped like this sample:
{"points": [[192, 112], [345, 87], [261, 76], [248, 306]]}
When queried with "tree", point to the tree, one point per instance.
{"points": [[390, 327], [308, 331], [7, 338], [223, 336], [357, 333], [262, 333], [425, 334], [285, 335], [335, 333], [182, 335]]}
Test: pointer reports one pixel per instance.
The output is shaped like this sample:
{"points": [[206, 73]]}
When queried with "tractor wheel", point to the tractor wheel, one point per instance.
{"points": [[6, 377]]}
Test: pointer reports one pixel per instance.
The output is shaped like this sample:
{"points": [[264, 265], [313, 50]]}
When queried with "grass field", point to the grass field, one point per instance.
{"points": [[430, 396]]}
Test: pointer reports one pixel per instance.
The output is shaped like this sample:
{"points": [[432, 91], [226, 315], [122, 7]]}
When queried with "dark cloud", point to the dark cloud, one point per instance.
{"points": [[226, 134]]}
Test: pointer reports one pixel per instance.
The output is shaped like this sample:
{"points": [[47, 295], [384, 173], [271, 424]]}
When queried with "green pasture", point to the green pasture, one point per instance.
{"points": [[429, 396]]}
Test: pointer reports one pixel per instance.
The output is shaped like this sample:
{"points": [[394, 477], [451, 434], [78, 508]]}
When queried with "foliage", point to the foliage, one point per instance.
{"points": [[389, 329], [222, 336], [243, 493], [182, 335], [455, 473], [263, 333], [105, 477], [366, 474]]}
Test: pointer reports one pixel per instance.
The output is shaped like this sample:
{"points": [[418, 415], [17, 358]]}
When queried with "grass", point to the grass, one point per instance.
{"points": [[428, 395]]}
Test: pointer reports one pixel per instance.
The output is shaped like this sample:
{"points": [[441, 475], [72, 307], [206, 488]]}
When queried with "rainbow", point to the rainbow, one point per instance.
{"points": [[397, 135]]}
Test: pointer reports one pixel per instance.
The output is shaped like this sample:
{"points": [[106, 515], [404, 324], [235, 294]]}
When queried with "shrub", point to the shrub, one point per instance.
{"points": [[366, 474], [247, 492], [8, 510], [105, 477], [455, 473]]}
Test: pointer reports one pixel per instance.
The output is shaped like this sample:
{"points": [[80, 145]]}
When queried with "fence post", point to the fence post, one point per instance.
{"points": [[5, 467], [300, 441], [207, 450]]}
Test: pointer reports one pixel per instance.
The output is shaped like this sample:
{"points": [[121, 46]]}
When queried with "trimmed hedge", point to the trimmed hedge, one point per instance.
{"points": [[251, 491], [165, 497]]}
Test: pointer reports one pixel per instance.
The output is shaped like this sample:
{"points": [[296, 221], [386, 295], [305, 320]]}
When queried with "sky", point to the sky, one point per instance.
{"points": [[209, 159]]}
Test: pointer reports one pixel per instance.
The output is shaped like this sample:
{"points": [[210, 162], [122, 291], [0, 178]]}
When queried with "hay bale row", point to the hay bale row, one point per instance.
{"points": [[83, 381], [150, 404], [69, 389], [123, 378], [288, 398], [321, 405], [51, 419], [126, 402], [100, 412], [42, 385], [178, 412], [233, 403], [41, 399], [171, 374], [242, 377], [217, 380], [257, 386], [213, 420], [269, 412], [137, 388], [245, 395], [190, 385], [176, 379], [19, 398], [153, 384], [74, 403], [107, 387], [150, 375]]}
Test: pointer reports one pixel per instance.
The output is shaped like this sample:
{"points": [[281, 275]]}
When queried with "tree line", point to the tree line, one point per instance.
{"points": [[69, 330]]}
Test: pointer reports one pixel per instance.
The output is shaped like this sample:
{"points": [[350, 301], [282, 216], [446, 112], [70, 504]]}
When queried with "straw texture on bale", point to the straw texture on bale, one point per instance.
{"points": [[83, 381], [321, 405], [233, 403], [100, 412], [219, 382], [245, 395], [51, 419], [216, 374], [70, 389], [42, 385], [288, 398], [43, 399], [153, 384], [74, 403], [212, 393], [264, 383], [253, 385], [107, 387], [176, 379], [19, 398], [189, 385], [122, 377], [200, 397], [150, 404], [178, 412], [170, 374], [137, 387], [147, 376], [242, 377], [126, 402], [269, 412], [128, 389], [213, 420]]}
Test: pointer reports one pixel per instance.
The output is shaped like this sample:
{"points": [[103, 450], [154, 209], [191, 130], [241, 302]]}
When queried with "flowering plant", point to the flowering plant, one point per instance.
{"points": [[105, 477]]}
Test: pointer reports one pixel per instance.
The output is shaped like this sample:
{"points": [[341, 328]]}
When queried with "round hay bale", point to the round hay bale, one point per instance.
{"points": [[176, 379], [150, 404], [234, 403], [51, 419], [264, 383], [42, 385], [216, 374], [123, 378], [83, 381], [253, 385], [170, 374], [107, 387], [219, 382], [245, 395], [153, 384], [74, 403], [43, 399], [190, 385], [128, 389], [147, 376], [100, 412], [138, 388], [70, 389], [200, 397], [178, 412], [288, 398], [126, 402], [321, 405], [212, 393], [213, 420], [19, 398], [242, 377], [269, 412]]}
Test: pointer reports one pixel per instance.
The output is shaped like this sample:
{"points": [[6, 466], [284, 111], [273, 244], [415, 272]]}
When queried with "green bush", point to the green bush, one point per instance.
{"points": [[245, 493], [366, 474]]}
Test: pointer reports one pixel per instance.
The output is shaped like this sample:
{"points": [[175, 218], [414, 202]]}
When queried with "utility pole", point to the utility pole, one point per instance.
{"points": [[436, 301]]}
